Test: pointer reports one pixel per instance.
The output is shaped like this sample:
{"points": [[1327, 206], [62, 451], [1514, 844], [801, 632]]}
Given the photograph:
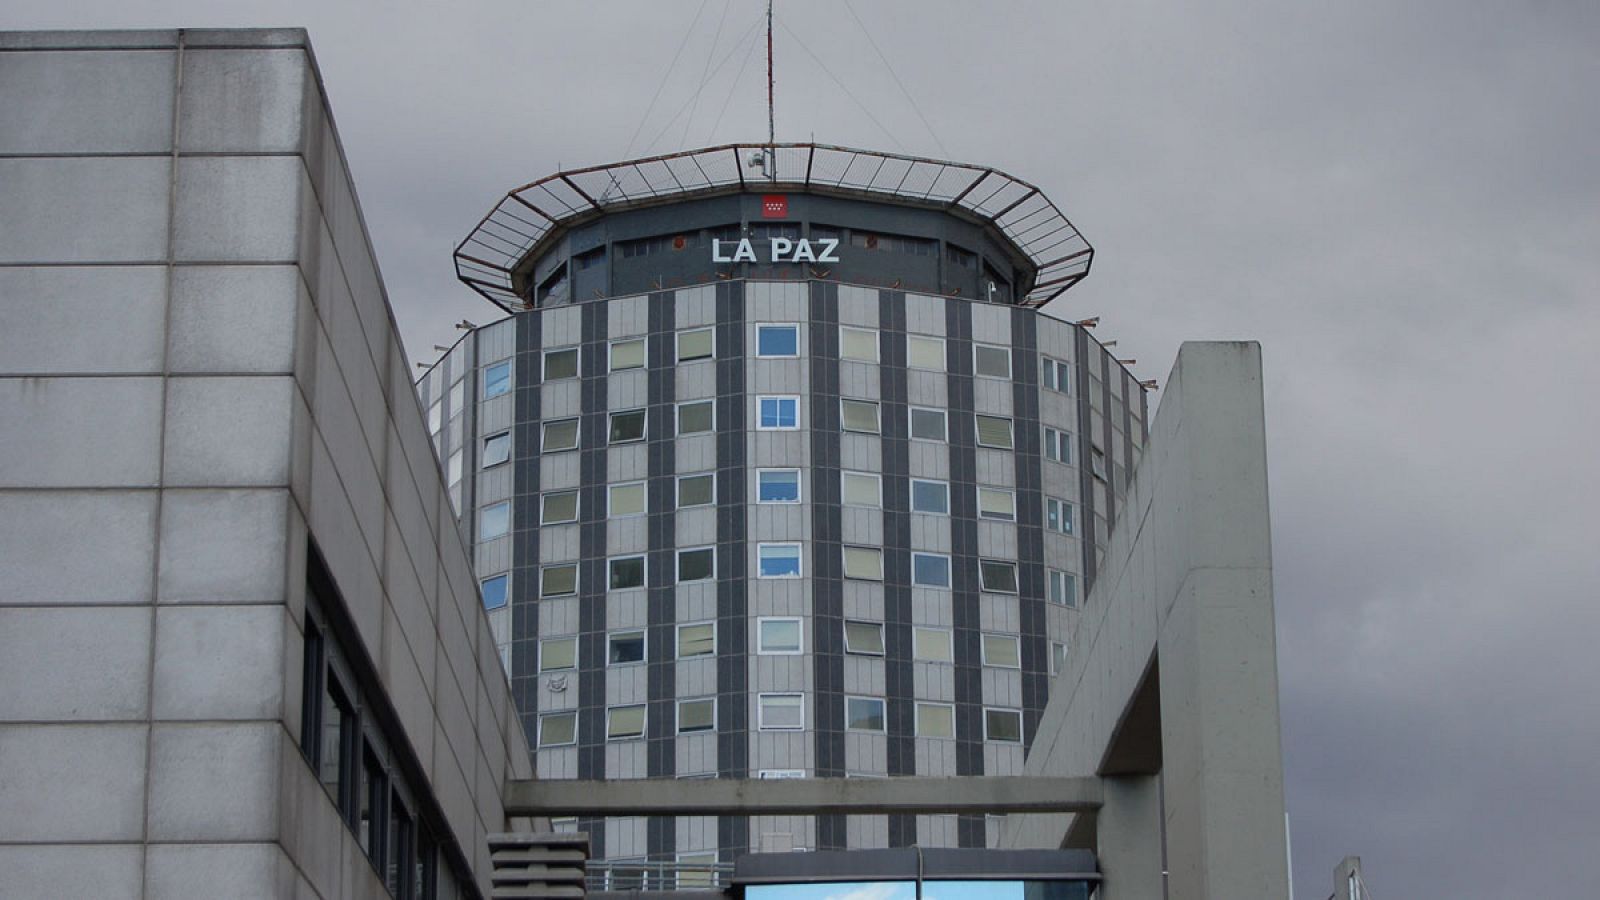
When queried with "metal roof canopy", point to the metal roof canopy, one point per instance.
{"points": [[488, 258]]}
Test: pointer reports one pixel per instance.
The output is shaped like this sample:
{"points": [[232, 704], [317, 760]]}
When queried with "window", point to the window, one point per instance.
{"points": [[625, 723], [561, 363], [778, 636], [859, 415], [994, 503], [990, 361], [778, 340], [558, 654], [863, 714], [1002, 725], [931, 645], [494, 591], [778, 486], [625, 648], [1058, 515], [695, 869], [494, 520], [923, 352], [860, 489], [627, 499], [697, 564], [697, 715], [1057, 446], [998, 576], [1002, 651], [773, 413], [930, 570], [558, 729], [781, 712], [558, 580], [1063, 587], [496, 379], [697, 490], [994, 431], [458, 397], [778, 561], [1058, 657], [864, 563], [697, 417], [700, 343], [628, 354], [452, 469], [860, 344], [930, 497], [699, 639], [1097, 462], [559, 507], [628, 426], [560, 434], [627, 572], [927, 424], [496, 449], [863, 638], [936, 720], [435, 418], [1056, 375]]}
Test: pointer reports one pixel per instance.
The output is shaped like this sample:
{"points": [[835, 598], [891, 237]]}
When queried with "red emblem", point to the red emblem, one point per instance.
{"points": [[775, 206]]}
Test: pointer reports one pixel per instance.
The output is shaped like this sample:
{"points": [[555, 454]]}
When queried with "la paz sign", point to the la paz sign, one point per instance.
{"points": [[778, 250]]}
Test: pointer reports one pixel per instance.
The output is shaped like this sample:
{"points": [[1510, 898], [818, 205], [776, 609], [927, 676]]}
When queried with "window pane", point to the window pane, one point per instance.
{"points": [[556, 654], [859, 489], [936, 720], [778, 412], [1063, 588], [627, 499], [627, 426], [863, 714], [1058, 657], [864, 638], [779, 636], [494, 521], [452, 469], [777, 340], [931, 644], [557, 729], [435, 418], [997, 504], [697, 715], [627, 572], [994, 431], [930, 497], [782, 712], [626, 647], [778, 561], [997, 576], [695, 344], [625, 722], [1002, 725], [858, 344], [557, 580], [697, 417], [778, 486], [859, 415], [696, 640], [560, 507], [496, 449], [696, 490], [930, 570], [560, 364], [994, 361], [927, 424], [696, 565], [560, 435], [494, 591], [1001, 650], [627, 354], [925, 352], [863, 562], [496, 379], [1048, 376]]}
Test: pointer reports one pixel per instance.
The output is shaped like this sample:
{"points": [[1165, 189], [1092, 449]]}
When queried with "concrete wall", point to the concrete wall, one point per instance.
{"points": [[1171, 686], [199, 369]]}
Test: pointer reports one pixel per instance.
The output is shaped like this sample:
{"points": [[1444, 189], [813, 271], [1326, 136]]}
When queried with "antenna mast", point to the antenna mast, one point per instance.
{"points": [[772, 140]]}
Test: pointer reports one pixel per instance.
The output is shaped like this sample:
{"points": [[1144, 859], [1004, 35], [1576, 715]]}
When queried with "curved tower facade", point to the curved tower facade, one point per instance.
{"points": [[776, 469]]}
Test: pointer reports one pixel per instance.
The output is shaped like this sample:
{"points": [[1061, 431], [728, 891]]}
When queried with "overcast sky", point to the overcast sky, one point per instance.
{"points": [[1398, 200]]}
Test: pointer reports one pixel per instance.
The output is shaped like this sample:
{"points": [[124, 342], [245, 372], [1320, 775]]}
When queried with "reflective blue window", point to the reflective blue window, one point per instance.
{"points": [[778, 561], [930, 497], [496, 379], [494, 591], [778, 486], [777, 340], [930, 570], [779, 412]]}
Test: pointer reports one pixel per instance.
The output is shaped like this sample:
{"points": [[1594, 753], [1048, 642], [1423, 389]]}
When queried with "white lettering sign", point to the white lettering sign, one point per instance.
{"points": [[778, 250]]}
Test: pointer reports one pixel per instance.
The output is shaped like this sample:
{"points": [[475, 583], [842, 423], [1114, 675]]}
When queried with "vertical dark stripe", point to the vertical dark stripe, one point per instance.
{"points": [[827, 621], [1105, 436], [733, 673], [592, 559], [1030, 520], [1084, 524], [967, 632], [662, 742], [898, 683], [1129, 387], [525, 524]]}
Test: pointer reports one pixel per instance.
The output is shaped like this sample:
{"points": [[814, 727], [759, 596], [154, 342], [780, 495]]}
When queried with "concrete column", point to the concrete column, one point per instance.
{"points": [[1129, 838]]}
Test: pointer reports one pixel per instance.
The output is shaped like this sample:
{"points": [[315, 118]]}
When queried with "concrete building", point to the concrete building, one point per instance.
{"points": [[777, 470]]}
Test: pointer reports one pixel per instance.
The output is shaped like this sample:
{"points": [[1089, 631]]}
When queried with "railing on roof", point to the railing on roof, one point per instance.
{"points": [[487, 257], [640, 875]]}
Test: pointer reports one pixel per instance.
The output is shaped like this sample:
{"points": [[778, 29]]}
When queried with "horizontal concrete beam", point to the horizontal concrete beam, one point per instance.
{"points": [[803, 796]]}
